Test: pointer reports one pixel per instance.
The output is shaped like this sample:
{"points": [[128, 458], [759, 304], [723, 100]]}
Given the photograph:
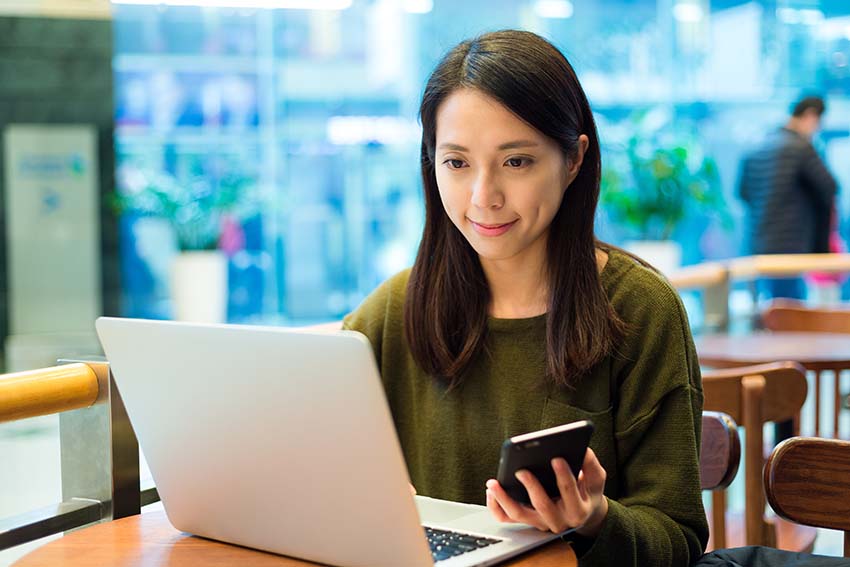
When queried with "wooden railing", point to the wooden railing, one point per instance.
{"points": [[47, 391], [699, 276], [714, 279], [99, 450], [711, 279], [786, 265]]}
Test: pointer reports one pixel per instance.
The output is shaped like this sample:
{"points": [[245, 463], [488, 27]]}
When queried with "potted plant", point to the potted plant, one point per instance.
{"points": [[204, 215], [653, 181]]}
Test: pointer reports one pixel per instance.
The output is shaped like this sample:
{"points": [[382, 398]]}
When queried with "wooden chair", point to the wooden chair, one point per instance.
{"points": [[719, 457], [807, 480], [753, 396], [792, 315]]}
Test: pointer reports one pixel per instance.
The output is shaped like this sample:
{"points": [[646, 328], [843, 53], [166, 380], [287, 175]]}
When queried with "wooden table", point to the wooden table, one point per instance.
{"points": [[149, 540], [815, 351]]}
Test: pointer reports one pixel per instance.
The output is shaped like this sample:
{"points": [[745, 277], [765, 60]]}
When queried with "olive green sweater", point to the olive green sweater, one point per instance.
{"points": [[645, 401]]}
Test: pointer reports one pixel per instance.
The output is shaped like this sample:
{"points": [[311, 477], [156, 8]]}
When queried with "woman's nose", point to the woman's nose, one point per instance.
{"points": [[486, 193]]}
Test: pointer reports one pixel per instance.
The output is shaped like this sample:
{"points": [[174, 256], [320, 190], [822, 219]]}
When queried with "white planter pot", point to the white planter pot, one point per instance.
{"points": [[199, 286], [665, 255]]}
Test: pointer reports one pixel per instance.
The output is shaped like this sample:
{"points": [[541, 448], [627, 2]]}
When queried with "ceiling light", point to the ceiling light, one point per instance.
{"points": [[685, 12], [560, 9]]}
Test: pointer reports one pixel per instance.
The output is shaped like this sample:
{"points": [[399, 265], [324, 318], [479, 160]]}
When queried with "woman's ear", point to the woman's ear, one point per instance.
{"points": [[574, 165]]}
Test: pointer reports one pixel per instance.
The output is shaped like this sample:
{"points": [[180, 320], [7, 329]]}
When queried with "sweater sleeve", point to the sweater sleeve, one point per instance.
{"points": [[375, 315], [658, 517]]}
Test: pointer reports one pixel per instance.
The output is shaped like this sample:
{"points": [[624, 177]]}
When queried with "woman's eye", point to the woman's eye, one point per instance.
{"points": [[454, 163], [518, 162]]}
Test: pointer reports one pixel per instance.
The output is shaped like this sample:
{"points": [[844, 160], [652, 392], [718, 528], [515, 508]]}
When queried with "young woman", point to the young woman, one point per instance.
{"points": [[514, 318]]}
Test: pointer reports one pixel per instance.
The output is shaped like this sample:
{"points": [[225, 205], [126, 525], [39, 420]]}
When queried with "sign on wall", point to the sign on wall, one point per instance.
{"points": [[52, 228]]}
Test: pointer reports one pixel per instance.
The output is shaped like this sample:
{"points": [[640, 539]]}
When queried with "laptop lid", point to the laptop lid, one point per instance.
{"points": [[270, 438]]}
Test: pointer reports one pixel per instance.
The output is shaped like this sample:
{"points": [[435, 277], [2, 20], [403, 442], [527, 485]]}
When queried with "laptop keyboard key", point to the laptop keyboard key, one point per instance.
{"points": [[445, 544]]}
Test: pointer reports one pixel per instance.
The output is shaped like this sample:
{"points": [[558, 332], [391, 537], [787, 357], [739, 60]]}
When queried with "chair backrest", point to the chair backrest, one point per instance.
{"points": [[780, 399], [720, 451], [752, 396], [807, 481], [792, 315], [719, 457]]}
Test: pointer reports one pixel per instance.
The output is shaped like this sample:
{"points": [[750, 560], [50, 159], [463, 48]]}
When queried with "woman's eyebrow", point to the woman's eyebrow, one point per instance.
{"points": [[450, 146], [506, 146], [518, 144]]}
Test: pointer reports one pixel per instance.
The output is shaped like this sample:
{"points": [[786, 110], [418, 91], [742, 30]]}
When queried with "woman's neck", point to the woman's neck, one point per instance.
{"points": [[519, 287], [517, 294]]}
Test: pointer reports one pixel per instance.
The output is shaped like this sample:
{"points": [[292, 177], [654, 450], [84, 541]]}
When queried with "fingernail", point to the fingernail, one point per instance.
{"points": [[490, 483], [521, 474]]}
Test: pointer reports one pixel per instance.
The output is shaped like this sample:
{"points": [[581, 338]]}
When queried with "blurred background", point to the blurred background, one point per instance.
{"points": [[267, 150], [316, 110]]}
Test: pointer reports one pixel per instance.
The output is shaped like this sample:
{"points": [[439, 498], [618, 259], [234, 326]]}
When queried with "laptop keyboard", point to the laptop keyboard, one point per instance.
{"points": [[445, 544]]}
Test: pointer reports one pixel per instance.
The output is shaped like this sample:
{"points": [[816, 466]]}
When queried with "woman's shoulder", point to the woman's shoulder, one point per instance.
{"points": [[637, 291], [657, 344], [385, 303], [393, 289]]}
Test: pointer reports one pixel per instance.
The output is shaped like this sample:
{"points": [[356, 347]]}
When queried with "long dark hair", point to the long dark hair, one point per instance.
{"points": [[445, 312]]}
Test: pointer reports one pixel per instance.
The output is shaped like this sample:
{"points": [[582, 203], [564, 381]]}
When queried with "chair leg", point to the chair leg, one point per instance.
{"points": [[837, 402], [718, 518], [817, 403], [752, 395]]}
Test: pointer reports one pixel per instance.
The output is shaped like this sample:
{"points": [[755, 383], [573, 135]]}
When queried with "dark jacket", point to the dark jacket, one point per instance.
{"points": [[754, 556], [789, 193]]}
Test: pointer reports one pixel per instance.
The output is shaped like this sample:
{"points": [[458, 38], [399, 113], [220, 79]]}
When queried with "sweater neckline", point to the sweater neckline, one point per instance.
{"points": [[612, 267]]}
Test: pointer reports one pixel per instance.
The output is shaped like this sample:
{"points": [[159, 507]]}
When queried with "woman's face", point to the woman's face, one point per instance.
{"points": [[500, 180]]}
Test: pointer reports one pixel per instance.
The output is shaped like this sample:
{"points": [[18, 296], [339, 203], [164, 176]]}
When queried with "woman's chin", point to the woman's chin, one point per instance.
{"points": [[490, 253]]}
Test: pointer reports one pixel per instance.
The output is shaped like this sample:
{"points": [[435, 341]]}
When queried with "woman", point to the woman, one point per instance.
{"points": [[514, 318]]}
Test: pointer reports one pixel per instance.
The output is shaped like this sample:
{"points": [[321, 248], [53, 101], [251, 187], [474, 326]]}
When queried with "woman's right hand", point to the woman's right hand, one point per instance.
{"points": [[412, 489], [582, 504]]}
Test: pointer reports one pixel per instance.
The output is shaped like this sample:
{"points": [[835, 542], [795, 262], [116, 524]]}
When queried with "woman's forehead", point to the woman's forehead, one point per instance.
{"points": [[469, 117]]}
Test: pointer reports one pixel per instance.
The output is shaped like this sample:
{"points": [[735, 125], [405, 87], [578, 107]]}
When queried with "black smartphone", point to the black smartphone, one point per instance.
{"points": [[535, 451]]}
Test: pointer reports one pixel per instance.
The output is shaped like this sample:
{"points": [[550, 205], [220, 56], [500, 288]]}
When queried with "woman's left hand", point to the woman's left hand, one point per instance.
{"points": [[582, 504]]}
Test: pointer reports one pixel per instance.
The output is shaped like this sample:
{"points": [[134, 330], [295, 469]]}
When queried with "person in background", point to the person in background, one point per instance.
{"points": [[514, 318], [789, 194]]}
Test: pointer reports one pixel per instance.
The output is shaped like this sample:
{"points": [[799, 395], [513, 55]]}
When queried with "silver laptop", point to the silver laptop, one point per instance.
{"points": [[282, 440]]}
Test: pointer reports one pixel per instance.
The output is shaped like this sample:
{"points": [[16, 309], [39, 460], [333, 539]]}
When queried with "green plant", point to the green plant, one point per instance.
{"points": [[196, 208], [658, 177]]}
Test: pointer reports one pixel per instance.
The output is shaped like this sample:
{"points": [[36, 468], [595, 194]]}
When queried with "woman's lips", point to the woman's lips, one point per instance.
{"points": [[492, 229]]}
